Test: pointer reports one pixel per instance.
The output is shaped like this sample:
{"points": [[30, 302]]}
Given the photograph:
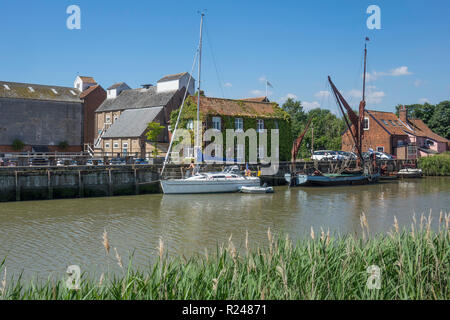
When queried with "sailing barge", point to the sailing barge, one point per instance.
{"points": [[366, 171]]}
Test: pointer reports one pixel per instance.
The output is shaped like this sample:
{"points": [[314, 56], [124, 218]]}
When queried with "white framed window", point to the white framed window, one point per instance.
{"points": [[366, 123], [261, 152], [189, 152], [107, 145], [108, 119], [259, 125], [116, 145], [190, 124], [380, 149], [125, 145], [217, 123], [240, 152], [239, 124]]}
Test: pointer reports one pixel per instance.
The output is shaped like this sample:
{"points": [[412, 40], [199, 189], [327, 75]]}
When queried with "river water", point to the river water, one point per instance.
{"points": [[43, 238]]}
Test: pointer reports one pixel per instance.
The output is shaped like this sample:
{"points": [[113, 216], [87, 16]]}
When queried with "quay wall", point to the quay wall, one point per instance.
{"points": [[41, 183]]}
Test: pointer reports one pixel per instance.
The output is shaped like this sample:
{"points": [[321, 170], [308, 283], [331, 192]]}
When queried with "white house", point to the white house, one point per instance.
{"points": [[175, 82], [82, 83], [116, 89]]}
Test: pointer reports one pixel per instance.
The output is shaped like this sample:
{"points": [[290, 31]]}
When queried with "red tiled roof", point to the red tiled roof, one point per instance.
{"points": [[229, 107], [419, 126], [414, 126], [88, 90], [257, 99], [87, 79]]}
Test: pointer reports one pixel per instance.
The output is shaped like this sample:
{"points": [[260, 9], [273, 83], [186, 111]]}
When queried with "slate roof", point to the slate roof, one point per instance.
{"points": [[116, 85], [39, 92], [132, 123], [172, 77], [136, 99]]}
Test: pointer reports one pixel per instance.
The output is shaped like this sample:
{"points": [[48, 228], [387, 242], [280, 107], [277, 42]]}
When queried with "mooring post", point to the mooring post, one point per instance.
{"points": [[80, 185], [110, 193], [49, 185], [136, 184], [16, 175]]}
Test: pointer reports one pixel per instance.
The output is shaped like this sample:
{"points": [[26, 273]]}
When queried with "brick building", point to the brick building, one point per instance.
{"points": [[400, 136], [48, 118], [240, 115], [121, 120]]}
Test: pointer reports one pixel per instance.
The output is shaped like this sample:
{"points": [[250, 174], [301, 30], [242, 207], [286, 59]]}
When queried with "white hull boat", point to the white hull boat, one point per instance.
{"points": [[410, 173], [218, 182], [257, 190]]}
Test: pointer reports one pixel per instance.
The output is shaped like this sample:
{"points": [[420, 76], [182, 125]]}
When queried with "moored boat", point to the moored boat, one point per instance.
{"points": [[257, 190], [410, 173], [332, 179]]}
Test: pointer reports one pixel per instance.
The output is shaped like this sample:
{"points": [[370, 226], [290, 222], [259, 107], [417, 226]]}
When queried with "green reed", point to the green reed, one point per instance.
{"points": [[437, 165], [414, 264]]}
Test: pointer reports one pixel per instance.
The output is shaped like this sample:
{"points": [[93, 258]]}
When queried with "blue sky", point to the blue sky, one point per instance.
{"points": [[293, 44]]}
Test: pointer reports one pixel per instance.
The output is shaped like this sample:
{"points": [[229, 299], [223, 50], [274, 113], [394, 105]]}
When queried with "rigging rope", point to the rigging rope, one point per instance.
{"points": [[179, 113]]}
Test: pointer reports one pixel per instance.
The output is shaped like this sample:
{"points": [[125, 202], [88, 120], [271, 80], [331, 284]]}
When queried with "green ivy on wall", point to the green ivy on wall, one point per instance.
{"points": [[228, 122]]}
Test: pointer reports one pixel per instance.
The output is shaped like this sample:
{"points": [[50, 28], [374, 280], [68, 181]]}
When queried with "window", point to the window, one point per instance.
{"points": [[72, 92], [107, 145], [276, 124], [366, 123], [259, 125], [54, 91], [6, 87], [240, 155], [380, 149], [385, 122], [398, 123], [391, 122], [108, 119], [31, 89], [116, 145], [239, 124], [190, 124], [189, 152], [400, 143], [216, 121], [125, 145], [115, 118], [261, 152]]}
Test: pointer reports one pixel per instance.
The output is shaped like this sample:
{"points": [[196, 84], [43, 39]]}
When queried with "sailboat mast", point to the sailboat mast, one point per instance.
{"points": [[197, 139], [364, 76]]}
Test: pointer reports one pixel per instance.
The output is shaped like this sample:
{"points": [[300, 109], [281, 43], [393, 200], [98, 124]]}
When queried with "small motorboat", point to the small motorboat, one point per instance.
{"points": [[262, 189], [410, 173]]}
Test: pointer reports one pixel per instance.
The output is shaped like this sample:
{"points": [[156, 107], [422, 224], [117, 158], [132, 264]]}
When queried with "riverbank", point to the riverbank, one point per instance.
{"points": [[45, 183], [413, 264], [437, 165]]}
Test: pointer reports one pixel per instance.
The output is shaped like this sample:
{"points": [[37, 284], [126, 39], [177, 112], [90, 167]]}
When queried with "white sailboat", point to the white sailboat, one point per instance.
{"points": [[229, 180]]}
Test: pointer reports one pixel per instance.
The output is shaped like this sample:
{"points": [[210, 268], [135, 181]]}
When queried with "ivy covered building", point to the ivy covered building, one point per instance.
{"points": [[222, 114]]}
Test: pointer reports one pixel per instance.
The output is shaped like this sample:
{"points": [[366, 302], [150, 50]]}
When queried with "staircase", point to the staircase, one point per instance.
{"points": [[98, 141]]}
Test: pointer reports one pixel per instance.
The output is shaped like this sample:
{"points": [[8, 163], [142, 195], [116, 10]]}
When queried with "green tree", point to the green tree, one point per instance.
{"points": [[298, 116], [18, 145], [154, 129], [439, 122]]}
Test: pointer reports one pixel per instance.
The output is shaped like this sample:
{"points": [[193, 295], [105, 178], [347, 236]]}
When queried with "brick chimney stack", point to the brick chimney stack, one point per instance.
{"points": [[402, 114]]}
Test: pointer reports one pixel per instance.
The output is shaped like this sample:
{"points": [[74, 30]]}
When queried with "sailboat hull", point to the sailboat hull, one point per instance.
{"points": [[184, 186]]}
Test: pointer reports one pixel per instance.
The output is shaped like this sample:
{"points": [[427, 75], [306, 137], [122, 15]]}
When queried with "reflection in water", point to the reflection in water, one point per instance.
{"points": [[45, 237]]}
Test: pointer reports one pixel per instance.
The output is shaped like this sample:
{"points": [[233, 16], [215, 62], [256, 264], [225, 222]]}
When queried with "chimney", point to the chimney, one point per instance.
{"points": [[403, 115]]}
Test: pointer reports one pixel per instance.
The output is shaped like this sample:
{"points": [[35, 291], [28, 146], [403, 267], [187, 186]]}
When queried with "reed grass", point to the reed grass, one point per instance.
{"points": [[414, 264], [437, 165]]}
